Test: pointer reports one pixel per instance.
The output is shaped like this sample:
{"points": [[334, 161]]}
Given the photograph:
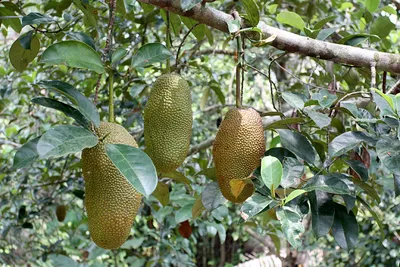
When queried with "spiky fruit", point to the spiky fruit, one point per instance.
{"points": [[168, 122], [61, 212], [237, 151], [111, 201]]}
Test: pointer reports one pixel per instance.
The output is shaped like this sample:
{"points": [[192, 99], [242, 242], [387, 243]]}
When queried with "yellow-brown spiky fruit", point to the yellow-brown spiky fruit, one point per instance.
{"points": [[111, 201], [168, 122], [237, 151]]}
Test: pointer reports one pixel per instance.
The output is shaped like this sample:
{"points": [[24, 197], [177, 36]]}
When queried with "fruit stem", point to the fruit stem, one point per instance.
{"points": [[168, 41], [238, 72], [111, 97]]}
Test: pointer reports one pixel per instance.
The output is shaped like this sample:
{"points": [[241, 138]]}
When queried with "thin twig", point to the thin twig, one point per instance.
{"points": [[181, 44], [384, 82], [271, 83], [168, 41], [107, 49]]}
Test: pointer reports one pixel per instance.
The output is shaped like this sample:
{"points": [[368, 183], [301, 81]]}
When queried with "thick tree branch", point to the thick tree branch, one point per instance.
{"points": [[291, 42]]}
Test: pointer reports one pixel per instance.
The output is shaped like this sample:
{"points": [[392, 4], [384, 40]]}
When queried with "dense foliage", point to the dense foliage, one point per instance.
{"points": [[327, 186]]}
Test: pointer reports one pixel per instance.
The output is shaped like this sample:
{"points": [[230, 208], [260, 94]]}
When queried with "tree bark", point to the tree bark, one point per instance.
{"points": [[291, 42]]}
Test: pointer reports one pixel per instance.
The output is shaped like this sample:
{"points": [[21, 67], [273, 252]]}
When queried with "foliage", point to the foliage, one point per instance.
{"points": [[329, 175]]}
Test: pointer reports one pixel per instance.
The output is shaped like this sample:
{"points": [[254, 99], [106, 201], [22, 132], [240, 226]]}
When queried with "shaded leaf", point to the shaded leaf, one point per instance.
{"points": [[73, 54], [26, 154], [335, 183], [149, 54], [65, 139], [359, 168], [197, 208], [62, 261], [347, 141], [388, 150], [36, 18], [321, 120], [252, 13], [82, 37], [345, 228], [254, 205], [293, 170], [296, 100], [162, 193], [292, 226], [66, 109], [118, 54], [135, 165], [212, 197], [20, 57], [184, 213], [322, 211]]}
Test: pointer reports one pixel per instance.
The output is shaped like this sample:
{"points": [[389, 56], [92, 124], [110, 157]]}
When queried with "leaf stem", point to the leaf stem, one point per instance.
{"points": [[111, 97]]}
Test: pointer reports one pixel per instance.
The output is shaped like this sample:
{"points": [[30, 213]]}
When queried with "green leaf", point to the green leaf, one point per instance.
{"points": [[322, 211], [382, 26], [199, 31], [135, 165], [396, 185], [174, 20], [65, 139], [296, 100], [397, 104], [14, 23], [293, 170], [376, 217], [150, 54], [177, 176], [184, 214], [356, 39], [212, 197], [335, 183], [345, 228], [118, 54], [252, 14], [136, 89], [84, 105], [321, 23], [292, 226], [233, 25], [368, 189], [36, 18], [197, 208], [384, 102], [162, 193], [321, 120], [283, 123], [26, 154], [325, 33], [324, 98], [347, 141], [82, 37], [219, 228], [271, 171], [20, 57], [254, 205], [62, 261], [291, 19], [372, 5], [66, 109], [73, 54], [388, 150], [134, 243], [294, 194], [298, 144], [26, 40], [359, 168], [218, 92]]}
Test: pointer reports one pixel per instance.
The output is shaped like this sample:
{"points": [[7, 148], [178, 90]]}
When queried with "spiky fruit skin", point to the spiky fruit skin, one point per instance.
{"points": [[111, 201], [237, 150], [61, 212], [168, 122]]}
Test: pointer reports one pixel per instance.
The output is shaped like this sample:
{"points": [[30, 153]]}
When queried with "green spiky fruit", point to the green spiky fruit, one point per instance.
{"points": [[168, 122], [237, 151], [111, 201]]}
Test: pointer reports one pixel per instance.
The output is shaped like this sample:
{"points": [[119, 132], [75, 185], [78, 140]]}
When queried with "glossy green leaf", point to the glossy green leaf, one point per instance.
{"points": [[26, 39], [63, 140], [36, 18], [324, 98], [383, 101], [62, 261], [184, 213], [252, 14], [291, 19], [177, 177], [356, 39], [150, 54], [198, 31], [321, 23], [325, 33], [322, 211], [212, 197], [26, 154], [293, 170], [254, 205], [135, 165], [335, 183], [345, 228], [388, 150], [66, 109], [347, 141], [382, 26], [294, 194], [296, 100], [372, 5], [233, 25], [368, 189], [20, 57], [174, 20], [84, 105], [271, 171], [321, 119], [118, 54], [73, 54], [359, 168], [136, 89], [82, 37], [298, 144], [292, 225], [14, 23]]}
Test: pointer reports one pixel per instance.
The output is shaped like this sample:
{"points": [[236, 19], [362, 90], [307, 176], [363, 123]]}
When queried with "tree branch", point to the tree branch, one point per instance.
{"points": [[290, 42]]}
